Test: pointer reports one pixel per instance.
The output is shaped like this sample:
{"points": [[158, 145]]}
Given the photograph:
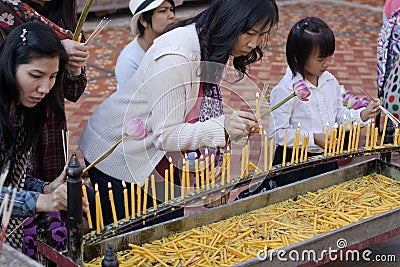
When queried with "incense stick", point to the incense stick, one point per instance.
{"points": [[102, 24]]}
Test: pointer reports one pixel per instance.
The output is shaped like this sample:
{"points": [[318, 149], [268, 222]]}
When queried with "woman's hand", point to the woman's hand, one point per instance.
{"points": [[319, 139], [371, 110], [78, 56], [240, 124]]}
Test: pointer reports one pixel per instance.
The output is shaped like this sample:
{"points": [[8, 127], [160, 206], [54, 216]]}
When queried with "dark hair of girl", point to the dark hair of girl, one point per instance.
{"points": [[61, 12], [307, 36], [147, 16], [220, 25], [40, 42]]}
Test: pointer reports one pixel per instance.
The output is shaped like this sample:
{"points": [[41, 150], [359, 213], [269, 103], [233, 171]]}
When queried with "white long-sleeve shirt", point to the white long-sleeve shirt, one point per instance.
{"points": [[325, 105]]}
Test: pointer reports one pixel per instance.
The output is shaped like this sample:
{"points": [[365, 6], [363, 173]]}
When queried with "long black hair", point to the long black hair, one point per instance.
{"points": [[220, 25], [306, 36], [61, 12], [41, 42]]}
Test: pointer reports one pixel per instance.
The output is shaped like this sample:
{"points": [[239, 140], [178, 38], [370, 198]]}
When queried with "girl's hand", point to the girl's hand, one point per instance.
{"points": [[319, 139], [78, 56], [240, 124], [55, 201], [371, 110]]}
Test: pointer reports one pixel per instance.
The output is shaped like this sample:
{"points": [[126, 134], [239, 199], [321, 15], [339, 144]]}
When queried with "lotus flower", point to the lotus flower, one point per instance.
{"points": [[134, 127], [300, 89]]}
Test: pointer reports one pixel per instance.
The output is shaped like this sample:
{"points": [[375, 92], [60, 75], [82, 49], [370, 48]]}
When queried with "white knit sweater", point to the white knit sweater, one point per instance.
{"points": [[162, 91]]}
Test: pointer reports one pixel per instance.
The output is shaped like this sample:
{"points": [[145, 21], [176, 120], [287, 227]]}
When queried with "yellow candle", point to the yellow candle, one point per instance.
{"points": [[97, 198], [89, 216], [196, 167], [258, 111], [133, 201], [375, 136], [153, 192], [334, 132], [166, 187], [271, 152], [384, 130], [139, 200], [126, 204], [330, 142], [187, 169], [339, 141], [207, 170], [396, 136], [343, 134], [326, 140], [183, 179], [353, 143], [372, 132], [146, 191], [358, 135], [111, 196], [367, 136], [265, 151], [171, 177], [306, 150], [350, 136], [242, 163], [223, 170], [303, 147], [213, 170], [202, 172], [297, 141], [246, 165], [284, 149], [228, 167]]}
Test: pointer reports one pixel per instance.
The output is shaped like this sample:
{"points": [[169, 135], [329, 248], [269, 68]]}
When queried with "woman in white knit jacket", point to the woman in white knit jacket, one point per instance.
{"points": [[177, 97]]}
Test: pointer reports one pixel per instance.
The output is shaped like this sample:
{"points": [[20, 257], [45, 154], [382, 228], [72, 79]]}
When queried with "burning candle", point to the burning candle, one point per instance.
{"points": [[353, 143], [344, 134], [326, 140], [303, 147], [384, 130], [223, 170], [171, 177], [296, 143], [183, 179], [111, 196], [246, 157], [375, 136], [202, 172], [271, 152], [258, 111], [153, 192], [97, 199], [166, 186], [367, 136], [146, 190], [350, 134], [207, 170], [89, 216], [334, 132], [213, 170], [284, 149], [358, 135], [339, 140], [139, 199], [133, 201], [187, 170], [372, 132], [126, 204], [228, 163], [306, 150], [242, 164], [265, 151]]}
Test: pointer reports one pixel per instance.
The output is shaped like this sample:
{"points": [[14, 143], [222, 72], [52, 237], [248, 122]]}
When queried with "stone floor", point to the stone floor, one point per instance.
{"points": [[356, 24]]}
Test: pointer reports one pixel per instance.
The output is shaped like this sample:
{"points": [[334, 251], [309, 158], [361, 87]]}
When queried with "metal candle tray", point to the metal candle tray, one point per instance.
{"points": [[356, 234]]}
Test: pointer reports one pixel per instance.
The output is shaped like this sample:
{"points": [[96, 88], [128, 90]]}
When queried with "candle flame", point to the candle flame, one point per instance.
{"points": [[257, 95], [351, 115], [186, 155], [201, 157], [327, 124], [228, 149], [335, 125], [298, 125], [373, 120], [170, 160], [96, 187], [123, 184], [109, 185], [206, 151], [345, 118], [265, 132]]}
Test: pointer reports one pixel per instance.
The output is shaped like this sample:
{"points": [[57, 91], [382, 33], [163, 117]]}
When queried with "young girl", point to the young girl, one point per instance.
{"points": [[309, 51], [32, 62], [171, 80]]}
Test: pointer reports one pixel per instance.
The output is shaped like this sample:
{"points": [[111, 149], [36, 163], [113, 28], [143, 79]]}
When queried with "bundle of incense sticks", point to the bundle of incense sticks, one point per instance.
{"points": [[102, 24], [5, 211], [82, 19], [65, 139]]}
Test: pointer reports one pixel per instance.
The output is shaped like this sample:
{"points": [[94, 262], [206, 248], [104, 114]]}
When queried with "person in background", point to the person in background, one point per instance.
{"points": [[48, 154], [149, 20], [176, 92], [388, 9], [32, 63], [309, 50]]}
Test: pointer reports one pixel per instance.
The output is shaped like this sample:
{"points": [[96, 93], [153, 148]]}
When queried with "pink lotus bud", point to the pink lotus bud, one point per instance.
{"points": [[352, 101], [347, 96], [301, 90], [136, 128]]}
